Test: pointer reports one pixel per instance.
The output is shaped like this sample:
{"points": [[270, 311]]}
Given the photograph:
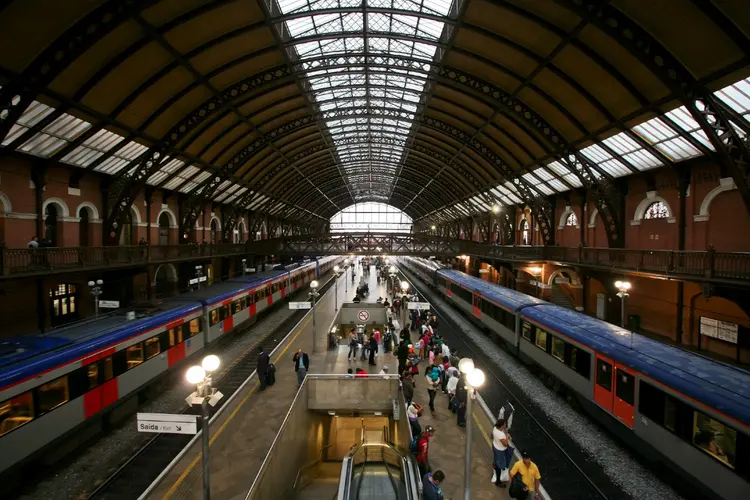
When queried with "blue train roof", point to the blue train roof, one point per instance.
{"points": [[505, 297], [722, 387], [31, 355]]}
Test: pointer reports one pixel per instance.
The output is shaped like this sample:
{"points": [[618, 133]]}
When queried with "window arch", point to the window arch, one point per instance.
{"points": [[657, 210], [572, 220], [371, 217]]}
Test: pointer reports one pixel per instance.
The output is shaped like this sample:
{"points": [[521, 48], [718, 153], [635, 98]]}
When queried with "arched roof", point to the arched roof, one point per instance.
{"points": [[299, 108]]}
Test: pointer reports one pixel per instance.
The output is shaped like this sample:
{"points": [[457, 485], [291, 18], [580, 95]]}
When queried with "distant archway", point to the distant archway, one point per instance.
{"points": [[165, 280]]}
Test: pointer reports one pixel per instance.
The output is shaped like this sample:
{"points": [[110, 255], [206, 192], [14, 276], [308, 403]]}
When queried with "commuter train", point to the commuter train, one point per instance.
{"points": [[682, 409], [51, 384]]}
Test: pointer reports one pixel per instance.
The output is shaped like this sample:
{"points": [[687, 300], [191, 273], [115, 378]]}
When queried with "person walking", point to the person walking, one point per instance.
{"points": [[263, 360], [461, 395], [529, 475], [408, 387], [423, 450], [373, 349], [353, 340], [433, 382], [502, 452], [301, 365], [431, 485], [403, 354], [450, 390]]}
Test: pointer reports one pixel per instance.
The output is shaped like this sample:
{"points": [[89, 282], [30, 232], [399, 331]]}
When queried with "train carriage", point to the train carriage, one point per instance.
{"points": [[680, 408], [50, 384]]}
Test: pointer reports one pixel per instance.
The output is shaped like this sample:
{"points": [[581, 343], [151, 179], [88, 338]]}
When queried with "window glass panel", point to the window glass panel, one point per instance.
{"points": [[214, 316], [92, 372], [107, 368], [195, 326], [604, 374], [52, 394], [541, 339], [16, 411], [625, 387], [658, 210], [715, 438], [134, 355], [558, 348], [152, 347]]}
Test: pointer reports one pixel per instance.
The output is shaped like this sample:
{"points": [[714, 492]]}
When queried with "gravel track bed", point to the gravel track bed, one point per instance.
{"points": [[614, 469], [77, 476]]}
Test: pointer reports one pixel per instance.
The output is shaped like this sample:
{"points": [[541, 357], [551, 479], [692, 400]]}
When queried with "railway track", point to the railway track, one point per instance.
{"points": [[131, 479], [568, 471]]}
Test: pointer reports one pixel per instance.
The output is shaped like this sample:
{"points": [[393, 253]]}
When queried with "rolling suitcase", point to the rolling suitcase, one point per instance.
{"points": [[271, 375]]}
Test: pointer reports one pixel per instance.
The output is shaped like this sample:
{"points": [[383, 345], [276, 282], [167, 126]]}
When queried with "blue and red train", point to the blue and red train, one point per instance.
{"points": [[51, 384], [676, 407]]}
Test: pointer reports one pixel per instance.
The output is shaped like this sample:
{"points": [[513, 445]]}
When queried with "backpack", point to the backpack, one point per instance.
{"points": [[414, 445], [517, 488]]}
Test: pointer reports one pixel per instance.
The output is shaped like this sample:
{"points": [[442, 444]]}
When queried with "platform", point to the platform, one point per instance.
{"points": [[241, 438]]}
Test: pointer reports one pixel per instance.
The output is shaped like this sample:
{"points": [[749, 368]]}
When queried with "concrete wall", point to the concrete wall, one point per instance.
{"points": [[374, 393], [298, 443], [350, 314]]}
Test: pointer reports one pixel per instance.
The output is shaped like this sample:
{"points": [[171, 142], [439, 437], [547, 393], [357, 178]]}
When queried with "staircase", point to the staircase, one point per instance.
{"points": [[559, 297], [324, 483]]}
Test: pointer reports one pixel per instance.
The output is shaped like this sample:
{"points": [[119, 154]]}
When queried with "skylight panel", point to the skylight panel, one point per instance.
{"points": [[605, 161], [165, 171], [121, 158], [35, 113], [737, 96], [55, 136], [93, 148], [666, 139]]}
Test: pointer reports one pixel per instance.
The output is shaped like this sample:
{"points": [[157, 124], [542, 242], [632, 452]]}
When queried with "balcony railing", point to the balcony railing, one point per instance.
{"points": [[28, 261], [708, 265]]}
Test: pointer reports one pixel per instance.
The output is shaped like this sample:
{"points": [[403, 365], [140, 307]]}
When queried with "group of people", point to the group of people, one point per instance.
{"points": [[368, 345]]}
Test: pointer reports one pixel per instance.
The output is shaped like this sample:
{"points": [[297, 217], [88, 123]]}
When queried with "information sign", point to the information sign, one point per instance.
{"points": [[721, 330], [300, 305], [363, 315], [418, 305], [109, 304], [167, 423]]}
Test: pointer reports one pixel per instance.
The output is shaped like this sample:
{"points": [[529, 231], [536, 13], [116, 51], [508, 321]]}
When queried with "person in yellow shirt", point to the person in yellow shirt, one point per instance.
{"points": [[529, 474]]}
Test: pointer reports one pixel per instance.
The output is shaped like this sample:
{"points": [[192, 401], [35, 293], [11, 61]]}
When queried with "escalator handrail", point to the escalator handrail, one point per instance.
{"points": [[346, 467]]}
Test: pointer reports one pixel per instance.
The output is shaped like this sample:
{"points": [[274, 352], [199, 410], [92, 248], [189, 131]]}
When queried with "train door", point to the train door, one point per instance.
{"points": [[603, 382], [624, 397], [477, 303]]}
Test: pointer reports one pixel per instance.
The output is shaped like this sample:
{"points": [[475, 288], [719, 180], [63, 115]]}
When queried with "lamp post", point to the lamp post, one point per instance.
{"points": [[474, 378], [622, 287], [314, 295], [336, 275], [96, 291], [346, 269], [205, 395], [537, 271], [244, 266], [392, 272]]}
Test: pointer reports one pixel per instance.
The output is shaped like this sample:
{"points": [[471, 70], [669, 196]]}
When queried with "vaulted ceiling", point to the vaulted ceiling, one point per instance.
{"points": [[300, 108]]}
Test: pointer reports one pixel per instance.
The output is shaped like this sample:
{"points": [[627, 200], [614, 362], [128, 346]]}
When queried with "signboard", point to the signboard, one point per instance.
{"points": [[196, 280], [363, 315], [167, 423], [418, 305], [250, 269], [721, 330], [111, 304], [484, 271], [562, 281], [300, 305]]}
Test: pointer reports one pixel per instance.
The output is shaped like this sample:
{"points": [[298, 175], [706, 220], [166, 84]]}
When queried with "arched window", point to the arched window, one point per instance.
{"points": [[657, 210], [163, 229], [572, 220], [371, 217], [524, 226]]}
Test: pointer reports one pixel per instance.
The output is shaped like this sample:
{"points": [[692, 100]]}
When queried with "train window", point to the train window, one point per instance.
{"points": [[106, 369], [604, 374], [52, 394], [715, 438], [226, 311], [92, 372], [134, 355], [152, 347], [527, 331], [558, 348], [250, 299], [541, 339], [214, 318], [236, 306], [625, 389], [195, 326], [175, 336], [580, 361], [16, 411]]}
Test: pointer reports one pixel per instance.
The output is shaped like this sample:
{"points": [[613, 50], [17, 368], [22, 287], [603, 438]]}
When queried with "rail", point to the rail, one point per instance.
{"points": [[707, 265], [307, 466]]}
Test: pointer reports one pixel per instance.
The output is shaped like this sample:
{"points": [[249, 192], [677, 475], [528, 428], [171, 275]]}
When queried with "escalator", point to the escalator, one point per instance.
{"points": [[378, 471]]}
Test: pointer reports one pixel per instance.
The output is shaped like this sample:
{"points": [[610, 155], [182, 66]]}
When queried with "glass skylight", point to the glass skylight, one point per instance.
{"points": [[369, 109], [371, 217]]}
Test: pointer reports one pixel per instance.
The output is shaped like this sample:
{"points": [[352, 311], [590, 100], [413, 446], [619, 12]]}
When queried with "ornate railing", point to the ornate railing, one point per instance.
{"points": [[708, 265]]}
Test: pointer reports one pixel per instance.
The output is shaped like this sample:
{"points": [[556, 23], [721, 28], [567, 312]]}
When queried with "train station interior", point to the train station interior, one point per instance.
{"points": [[557, 191]]}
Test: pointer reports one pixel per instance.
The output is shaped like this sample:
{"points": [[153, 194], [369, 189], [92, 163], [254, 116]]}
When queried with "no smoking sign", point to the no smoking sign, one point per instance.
{"points": [[363, 315]]}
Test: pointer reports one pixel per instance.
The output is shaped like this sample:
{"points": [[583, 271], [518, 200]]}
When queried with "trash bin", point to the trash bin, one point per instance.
{"points": [[634, 322]]}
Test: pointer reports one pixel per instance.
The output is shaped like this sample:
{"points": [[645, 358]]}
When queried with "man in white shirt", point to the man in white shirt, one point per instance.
{"points": [[446, 351], [34, 243]]}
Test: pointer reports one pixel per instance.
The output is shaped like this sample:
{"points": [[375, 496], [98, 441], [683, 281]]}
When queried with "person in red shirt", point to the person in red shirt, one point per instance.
{"points": [[423, 448], [360, 373]]}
